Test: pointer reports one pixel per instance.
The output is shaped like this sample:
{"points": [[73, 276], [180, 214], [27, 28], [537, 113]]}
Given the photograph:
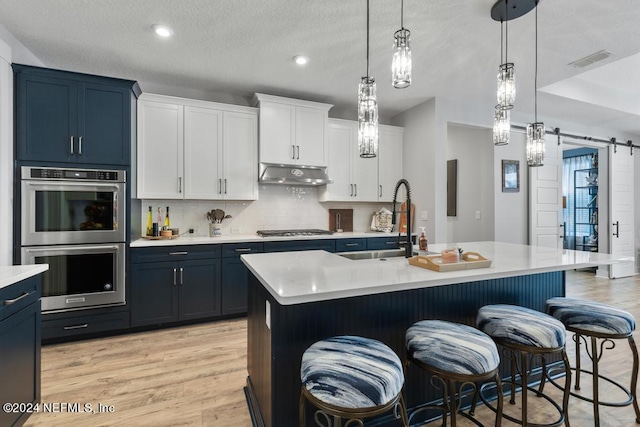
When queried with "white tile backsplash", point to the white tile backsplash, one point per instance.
{"points": [[278, 207]]}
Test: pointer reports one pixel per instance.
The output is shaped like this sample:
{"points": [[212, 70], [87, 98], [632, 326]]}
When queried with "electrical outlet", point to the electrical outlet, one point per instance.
{"points": [[193, 230], [477, 214], [424, 216]]}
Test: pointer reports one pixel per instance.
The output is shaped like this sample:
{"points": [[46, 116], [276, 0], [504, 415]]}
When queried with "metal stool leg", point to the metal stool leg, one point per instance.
{"points": [[525, 380], [500, 401], [453, 405], [634, 377], [567, 388], [596, 377], [512, 400], [578, 340]]}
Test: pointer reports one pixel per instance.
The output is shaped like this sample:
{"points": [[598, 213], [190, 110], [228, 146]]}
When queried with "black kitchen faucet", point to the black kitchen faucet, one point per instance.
{"points": [[408, 245]]}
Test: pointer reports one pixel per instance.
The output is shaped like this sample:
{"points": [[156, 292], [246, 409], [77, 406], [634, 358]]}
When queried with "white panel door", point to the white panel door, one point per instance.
{"points": [[240, 156], [342, 135], [390, 161], [202, 153], [545, 198], [277, 133], [621, 201], [310, 131], [160, 145]]}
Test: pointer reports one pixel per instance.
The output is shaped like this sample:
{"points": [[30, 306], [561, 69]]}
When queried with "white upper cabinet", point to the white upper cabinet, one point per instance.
{"points": [[189, 149], [389, 160], [292, 131], [160, 150], [356, 178]]}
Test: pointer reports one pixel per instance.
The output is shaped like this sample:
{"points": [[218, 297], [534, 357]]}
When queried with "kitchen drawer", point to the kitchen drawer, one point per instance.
{"points": [[328, 245], [387, 242], [236, 249], [348, 245], [81, 325], [175, 253], [15, 297]]}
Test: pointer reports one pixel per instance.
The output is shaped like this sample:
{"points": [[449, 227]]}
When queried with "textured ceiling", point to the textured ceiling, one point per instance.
{"points": [[238, 47]]}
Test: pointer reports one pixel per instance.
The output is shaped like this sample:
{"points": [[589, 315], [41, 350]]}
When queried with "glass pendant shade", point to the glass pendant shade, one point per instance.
{"points": [[367, 117], [506, 86], [401, 64], [501, 126], [535, 144]]}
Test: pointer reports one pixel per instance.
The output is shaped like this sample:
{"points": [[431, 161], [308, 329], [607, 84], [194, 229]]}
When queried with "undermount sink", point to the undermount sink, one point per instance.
{"points": [[382, 254]]}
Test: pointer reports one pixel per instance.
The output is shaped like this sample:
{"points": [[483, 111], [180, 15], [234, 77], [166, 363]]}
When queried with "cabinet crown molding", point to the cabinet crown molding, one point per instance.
{"points": [[196, 103], [260, 97]]}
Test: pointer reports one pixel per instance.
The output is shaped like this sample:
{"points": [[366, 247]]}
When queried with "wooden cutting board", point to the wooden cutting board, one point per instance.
{"points": [[403, 217], [341, 218]]}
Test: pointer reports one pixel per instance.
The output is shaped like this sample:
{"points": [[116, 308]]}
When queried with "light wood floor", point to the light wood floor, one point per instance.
{"points": [[193, 376]]}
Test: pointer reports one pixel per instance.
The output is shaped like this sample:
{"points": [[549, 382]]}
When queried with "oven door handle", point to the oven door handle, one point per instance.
{"points": [[64, 249]]}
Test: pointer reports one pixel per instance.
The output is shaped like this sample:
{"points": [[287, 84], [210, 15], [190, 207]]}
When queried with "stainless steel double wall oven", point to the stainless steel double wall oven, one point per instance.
{"points": [[74, 220]]}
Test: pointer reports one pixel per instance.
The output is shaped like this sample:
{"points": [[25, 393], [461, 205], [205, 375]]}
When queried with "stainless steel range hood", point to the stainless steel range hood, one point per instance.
{"points": [[293, 175]]}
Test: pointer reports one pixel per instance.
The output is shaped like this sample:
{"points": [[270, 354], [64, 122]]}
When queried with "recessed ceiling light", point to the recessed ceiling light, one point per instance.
{"points": [[162, 30], [300, 60]]}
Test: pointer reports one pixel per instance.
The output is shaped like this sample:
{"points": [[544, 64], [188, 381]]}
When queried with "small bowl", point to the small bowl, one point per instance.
{"points": [[165, 233]]}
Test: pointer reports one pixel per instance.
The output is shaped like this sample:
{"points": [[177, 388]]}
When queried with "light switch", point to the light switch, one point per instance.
{"points": [[267, 317], [477, 214], [424, 215]]}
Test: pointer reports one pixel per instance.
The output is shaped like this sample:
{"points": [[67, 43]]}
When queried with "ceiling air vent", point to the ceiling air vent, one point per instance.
{"points": [[590, 59]]}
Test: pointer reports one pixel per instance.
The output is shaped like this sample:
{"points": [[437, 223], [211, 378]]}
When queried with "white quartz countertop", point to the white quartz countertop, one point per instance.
{"points": [[14, 273], [241, 238], [310, 276]]}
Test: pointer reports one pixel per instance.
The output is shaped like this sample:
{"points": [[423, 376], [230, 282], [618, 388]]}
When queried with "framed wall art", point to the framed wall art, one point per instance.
{"points": [[510, 176]]}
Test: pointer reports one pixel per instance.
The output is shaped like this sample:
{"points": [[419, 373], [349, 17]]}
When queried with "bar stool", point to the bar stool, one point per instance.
{"points": [[353, 378], [454, 354], [527, 333], [598, 322]]}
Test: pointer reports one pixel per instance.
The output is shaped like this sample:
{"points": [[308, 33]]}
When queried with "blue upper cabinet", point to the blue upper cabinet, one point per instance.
{"points": [[66, 117]]}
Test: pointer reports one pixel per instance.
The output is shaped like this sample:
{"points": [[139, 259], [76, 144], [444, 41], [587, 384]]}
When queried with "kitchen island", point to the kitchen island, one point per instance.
{"points": [[297, 298], [20, 290]]}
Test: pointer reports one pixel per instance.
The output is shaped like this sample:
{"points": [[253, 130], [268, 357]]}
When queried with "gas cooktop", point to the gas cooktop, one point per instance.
{"points": [[284, 233]]}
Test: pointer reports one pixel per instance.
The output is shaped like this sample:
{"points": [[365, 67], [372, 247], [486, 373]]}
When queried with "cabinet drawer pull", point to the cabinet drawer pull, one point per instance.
{"points": [[71, 145], [351, 244], [80, 146], [179, 253], [181, 281], [380, 191], [179, 184], [13, 301], [293, 152], [243, 249], [175, 271], [394, 242], [69, 328], [225, 186]]}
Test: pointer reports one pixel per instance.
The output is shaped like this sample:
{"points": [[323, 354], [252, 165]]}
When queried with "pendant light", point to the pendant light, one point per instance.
{"points": [[506, 93], [401, 63], [367, 110], [535, 131], [501, 126]]}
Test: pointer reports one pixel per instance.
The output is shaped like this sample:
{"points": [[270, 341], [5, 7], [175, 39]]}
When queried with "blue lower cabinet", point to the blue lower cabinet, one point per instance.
{"points": [[20, 327], [328, 245], [387, 242], [180, 289], [350, 245], [235, 276]]}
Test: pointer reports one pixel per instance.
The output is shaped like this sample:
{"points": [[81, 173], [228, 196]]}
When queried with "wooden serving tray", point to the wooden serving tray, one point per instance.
{"points": [[469, 261], [159, 237]]}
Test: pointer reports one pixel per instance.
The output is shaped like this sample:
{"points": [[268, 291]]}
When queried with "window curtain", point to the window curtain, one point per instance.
{"points": [[569, 166]]}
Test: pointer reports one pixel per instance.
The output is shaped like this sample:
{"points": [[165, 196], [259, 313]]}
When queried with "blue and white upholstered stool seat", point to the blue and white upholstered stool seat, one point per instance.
{"points": [[454, 354], [526, 333], [353, 378], [598, 322]]}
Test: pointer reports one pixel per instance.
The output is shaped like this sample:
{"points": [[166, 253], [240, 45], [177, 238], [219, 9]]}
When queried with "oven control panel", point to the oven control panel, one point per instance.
{"points": [[73, 174]]}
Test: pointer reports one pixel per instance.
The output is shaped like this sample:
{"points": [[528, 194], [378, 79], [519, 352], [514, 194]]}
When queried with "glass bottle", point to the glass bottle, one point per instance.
{"points": [[149, 223], [159, 217], [167, 223]]}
